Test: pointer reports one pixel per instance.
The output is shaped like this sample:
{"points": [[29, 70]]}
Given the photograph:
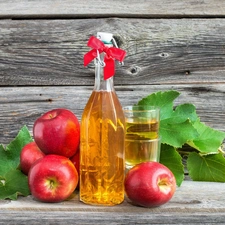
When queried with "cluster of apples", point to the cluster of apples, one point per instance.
{"points": [[51, 161]]}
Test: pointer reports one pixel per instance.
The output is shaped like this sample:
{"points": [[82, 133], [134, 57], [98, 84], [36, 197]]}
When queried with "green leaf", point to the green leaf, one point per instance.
{"points": [[206, 167], [180, 126], [176, 126], [172, 159], [178, 129], [12, 180], [184, 112], [10, 156], [13, 184], [209, 140], [176, 134], [163, 100]]}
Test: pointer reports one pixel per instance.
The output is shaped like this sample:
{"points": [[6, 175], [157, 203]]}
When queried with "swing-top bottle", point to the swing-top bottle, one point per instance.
{"points": [[102, 139]]}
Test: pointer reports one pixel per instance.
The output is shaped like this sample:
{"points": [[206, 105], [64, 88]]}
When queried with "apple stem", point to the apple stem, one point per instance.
{"points": [[164, 186], [51, 184]]}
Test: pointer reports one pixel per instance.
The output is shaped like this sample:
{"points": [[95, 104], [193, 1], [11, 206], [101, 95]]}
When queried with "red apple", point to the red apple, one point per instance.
{"points": [[29, 154], [76, 162], [52, 178], [150, 184], [57, 132]]}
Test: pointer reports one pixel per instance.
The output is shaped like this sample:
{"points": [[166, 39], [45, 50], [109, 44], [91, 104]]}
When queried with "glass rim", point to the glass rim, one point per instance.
{"points": [[148, 140], [140, 108]]}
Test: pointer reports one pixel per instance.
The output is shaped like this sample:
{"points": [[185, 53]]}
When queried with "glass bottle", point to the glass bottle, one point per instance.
{"points": [[102, 159]]}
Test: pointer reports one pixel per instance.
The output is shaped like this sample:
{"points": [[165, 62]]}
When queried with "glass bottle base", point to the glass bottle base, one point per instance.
{"points": [[101, 202]]}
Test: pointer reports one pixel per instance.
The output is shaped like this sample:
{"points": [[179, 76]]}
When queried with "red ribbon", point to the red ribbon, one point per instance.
{"points": [[111, 53]]}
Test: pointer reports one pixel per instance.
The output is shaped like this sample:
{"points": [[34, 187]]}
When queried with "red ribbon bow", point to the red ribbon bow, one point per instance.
{"points": [[112, 53]]}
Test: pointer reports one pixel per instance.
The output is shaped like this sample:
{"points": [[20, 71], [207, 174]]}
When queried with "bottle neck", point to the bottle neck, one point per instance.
{"points": [[100, 83]]}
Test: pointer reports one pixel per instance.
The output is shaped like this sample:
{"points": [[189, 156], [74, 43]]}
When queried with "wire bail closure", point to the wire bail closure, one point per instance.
{"points": [[111, 53], [101, 63], [115, 44]]}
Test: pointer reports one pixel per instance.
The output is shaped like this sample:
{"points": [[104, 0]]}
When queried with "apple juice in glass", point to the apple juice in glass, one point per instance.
{"points": [[142, 142], [102, 160]]}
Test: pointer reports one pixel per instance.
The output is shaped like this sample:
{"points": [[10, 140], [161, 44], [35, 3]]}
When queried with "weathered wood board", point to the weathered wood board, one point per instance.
{"points": [[193, 203], [107, 8], [23, 105], [160, 51], [181, 54]]}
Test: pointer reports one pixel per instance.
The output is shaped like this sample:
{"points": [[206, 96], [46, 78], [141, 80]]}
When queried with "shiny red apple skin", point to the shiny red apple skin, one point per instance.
{"points": [[75, 159], [28, 155], [52, 178], [150, 184], [57, 132], [76, 162]]}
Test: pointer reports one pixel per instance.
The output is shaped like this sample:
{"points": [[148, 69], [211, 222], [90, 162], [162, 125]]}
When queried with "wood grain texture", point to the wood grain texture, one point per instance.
{"points": [[23, 105], [189, 205], [175, 51], [107, 8]]}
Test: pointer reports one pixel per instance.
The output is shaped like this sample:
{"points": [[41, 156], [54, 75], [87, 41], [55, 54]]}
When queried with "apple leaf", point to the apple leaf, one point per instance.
{"points": [[172, 159], [163, 100], [176, 134], [172, 122], [206, 167], [209, 140], [12, 181], [181, 119], [184, 112], [180, 126]]}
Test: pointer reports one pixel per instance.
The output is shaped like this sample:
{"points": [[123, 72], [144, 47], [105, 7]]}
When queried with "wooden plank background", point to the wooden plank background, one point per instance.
{"points": [[175, 45], [108, 8]]}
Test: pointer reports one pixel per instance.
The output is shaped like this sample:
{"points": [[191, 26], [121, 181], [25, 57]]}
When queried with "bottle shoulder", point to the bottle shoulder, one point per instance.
{"points": [[104, 103]]}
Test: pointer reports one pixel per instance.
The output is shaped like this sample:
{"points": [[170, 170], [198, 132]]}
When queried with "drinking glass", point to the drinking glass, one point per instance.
{"points": [[142, 140]]}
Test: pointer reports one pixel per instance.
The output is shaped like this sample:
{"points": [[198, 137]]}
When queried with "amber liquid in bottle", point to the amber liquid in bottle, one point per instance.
{"points": [[102, 160]]}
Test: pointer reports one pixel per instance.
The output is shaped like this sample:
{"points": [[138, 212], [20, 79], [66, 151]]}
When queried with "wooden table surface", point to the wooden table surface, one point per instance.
{"points": [[192, 203]]}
